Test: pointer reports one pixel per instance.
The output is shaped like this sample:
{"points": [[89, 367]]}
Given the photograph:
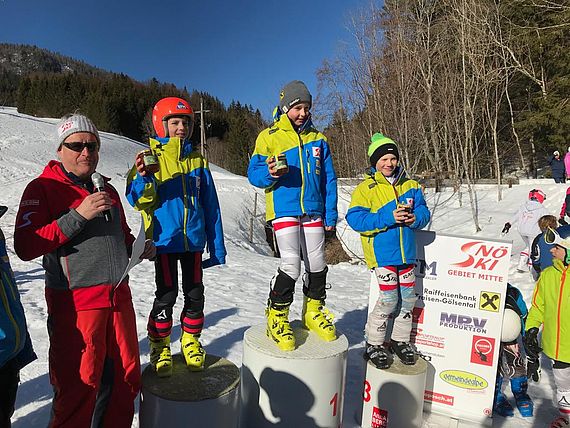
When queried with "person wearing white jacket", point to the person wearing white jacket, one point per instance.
{"points": [[527, 218]]}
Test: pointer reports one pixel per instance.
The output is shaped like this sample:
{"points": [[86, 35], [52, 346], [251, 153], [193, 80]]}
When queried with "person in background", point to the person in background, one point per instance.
{"points": [[540, 256], [181, 212], [567, 163], [565, 209], [527, 218], [293, 163], [85, 242], [557, 167], [550, 309], [385, 209], [15, 344], [511, 360]]}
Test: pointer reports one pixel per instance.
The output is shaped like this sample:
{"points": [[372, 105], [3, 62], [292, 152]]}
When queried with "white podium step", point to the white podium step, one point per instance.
{"points": [[299, 388], [394, 397], [209, 398]]}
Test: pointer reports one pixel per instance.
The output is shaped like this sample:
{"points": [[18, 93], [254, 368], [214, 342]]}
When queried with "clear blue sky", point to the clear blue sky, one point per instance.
{"points": [[233, 49]]}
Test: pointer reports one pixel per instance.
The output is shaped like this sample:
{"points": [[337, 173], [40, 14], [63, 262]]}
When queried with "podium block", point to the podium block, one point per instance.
{"points": [[209, 398], [299, 388], [394, 397]]}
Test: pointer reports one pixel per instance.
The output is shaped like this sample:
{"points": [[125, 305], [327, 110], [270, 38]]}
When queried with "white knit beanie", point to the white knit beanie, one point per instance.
{"points": [[72, 124]]}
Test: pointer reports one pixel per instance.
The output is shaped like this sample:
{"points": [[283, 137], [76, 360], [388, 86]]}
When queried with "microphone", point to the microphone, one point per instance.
{"points": [[99, 185]]}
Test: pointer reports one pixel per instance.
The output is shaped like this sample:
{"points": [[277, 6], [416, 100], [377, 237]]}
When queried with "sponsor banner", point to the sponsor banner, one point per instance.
{"points": [[379, 418], [461, 286]]}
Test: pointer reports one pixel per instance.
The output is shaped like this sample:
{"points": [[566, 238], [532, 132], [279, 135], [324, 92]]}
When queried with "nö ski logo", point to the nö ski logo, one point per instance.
{"points": [[481, 256], [464, 380]]}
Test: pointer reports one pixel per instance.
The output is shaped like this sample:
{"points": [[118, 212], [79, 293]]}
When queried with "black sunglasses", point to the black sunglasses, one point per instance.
{"points": [[79, 146]]}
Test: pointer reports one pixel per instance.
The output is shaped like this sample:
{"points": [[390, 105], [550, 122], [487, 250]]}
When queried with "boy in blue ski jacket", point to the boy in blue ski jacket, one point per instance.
{"points": [[511, 360], [385, 209], [181, 213], [292, 162], [15, 343]]}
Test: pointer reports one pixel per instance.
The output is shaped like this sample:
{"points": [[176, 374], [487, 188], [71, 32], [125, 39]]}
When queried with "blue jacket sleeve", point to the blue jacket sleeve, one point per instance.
{"points": [[329, 188], [360, 217], [258, 173], [421, 211], [213, 221], [141, 191]]}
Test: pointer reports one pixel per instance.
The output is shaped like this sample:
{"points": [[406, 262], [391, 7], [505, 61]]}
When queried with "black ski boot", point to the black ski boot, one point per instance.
{"points": [[379, 356], [405, 352]]}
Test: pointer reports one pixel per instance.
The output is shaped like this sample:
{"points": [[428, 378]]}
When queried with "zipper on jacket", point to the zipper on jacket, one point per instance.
{"points": [[302, 173], [401, 228], [185, 193], [308, 162], [558, 310], [6, 303]]}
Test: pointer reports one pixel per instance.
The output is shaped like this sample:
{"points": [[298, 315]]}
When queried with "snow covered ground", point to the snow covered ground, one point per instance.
{"points": [[236, 293]]}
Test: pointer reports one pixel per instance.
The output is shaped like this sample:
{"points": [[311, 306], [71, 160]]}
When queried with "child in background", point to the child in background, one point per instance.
{"points": [[557, 167], [540, 256], [15, 343], [551, 309], [385, 209], [293, 163], [511, 361], [527, 217], [565, 209], [181, 213]]}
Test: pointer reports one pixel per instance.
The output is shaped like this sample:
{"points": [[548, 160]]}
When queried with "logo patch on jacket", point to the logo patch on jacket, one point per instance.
{"points": [[26, 221], [198, 187], [29, 202], [316, 152]]}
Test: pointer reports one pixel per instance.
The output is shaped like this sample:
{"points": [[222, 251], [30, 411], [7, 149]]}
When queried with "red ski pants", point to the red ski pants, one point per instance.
{"points": [[82, 345]]}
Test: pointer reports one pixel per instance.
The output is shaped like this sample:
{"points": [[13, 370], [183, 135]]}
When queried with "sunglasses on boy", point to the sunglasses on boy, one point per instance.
{"points": [[552, 237], [78, 146]]}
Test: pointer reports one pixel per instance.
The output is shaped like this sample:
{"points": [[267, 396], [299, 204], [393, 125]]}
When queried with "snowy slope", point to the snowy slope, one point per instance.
{"points": [[236, 293]]}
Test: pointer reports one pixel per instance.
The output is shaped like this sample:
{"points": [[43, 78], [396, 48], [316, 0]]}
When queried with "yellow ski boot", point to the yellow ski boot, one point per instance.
{"points": [[317, 318], [278, 327], [193, 352], [160, 356]]}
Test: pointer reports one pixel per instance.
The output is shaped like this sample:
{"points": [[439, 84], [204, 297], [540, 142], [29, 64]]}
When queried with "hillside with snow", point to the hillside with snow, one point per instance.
{"points": [[236, 293]]}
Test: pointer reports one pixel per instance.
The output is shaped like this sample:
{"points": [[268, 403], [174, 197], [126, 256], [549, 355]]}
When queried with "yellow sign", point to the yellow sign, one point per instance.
{"points": [[490, 301], [464, 380]]}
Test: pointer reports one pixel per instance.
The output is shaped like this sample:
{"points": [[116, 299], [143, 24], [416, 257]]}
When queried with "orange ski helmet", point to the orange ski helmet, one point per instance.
{"points": [[168, 107]]}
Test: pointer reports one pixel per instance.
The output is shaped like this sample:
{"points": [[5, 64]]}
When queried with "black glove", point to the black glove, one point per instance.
{"points": [[531, 345], [533, 368], [562, 222], [506, 227]]}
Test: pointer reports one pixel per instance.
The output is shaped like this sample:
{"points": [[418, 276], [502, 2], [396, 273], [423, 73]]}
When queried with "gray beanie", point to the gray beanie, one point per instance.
{"points": [[72, 124], [294, 92]]}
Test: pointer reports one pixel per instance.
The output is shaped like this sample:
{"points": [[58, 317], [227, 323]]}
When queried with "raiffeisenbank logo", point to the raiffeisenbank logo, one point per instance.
{"points": [[464, 380], [481, 255]]}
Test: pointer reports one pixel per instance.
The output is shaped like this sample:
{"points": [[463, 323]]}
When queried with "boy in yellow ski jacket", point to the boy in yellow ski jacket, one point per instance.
{"points": [[385, 209], [550, 309]]}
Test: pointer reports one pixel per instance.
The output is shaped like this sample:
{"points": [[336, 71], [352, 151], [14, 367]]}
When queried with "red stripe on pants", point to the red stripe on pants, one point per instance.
{"points": [[284, 224]]}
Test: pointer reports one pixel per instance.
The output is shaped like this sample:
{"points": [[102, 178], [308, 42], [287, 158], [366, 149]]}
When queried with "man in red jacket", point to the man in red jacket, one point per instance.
{"points": [[93, 357]]}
